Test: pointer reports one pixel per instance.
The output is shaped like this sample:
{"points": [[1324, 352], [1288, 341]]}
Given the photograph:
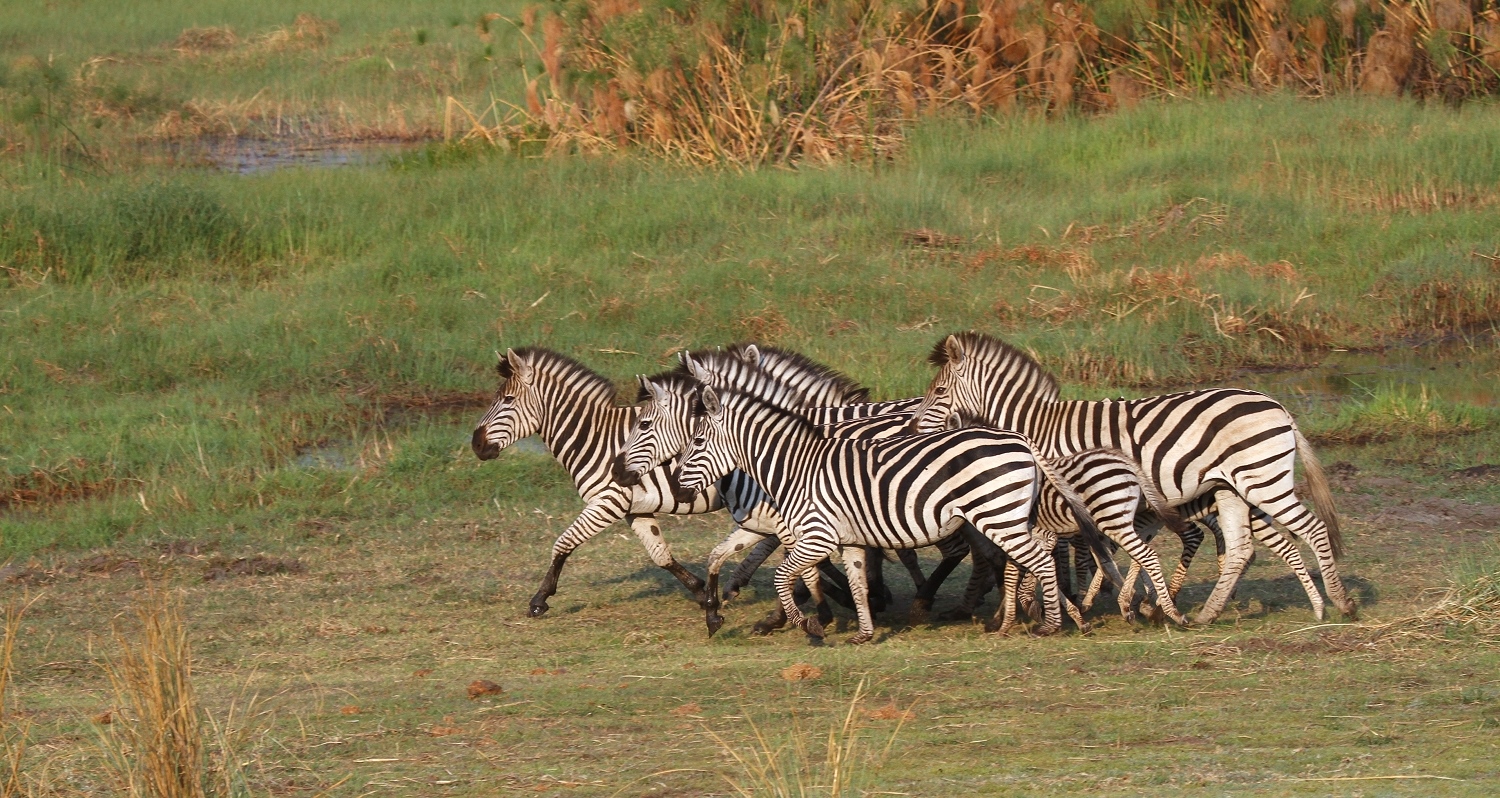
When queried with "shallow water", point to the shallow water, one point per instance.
{"points": [[247, 156], [1455, 374]]}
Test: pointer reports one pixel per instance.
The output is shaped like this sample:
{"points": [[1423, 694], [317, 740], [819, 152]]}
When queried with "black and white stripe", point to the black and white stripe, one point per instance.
{"points": [[572, 409], [907, 492], [1238, 446]]}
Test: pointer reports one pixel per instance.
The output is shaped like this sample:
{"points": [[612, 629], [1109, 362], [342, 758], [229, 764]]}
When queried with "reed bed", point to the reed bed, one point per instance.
{"points": [[776, 82]]}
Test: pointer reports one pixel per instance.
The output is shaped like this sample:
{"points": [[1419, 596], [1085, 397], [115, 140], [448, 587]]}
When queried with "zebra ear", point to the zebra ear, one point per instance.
{"points": [[695, 368], [518, 365], [656, 392], [955, 349], [710, 401], [751, 354]]}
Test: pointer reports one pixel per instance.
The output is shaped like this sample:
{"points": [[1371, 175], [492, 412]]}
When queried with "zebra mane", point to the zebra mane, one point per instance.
{"points": [[562, 368], [764, 388], [783, 363], [676, 381], [784, 403], [818, 383], [1000, 358]]}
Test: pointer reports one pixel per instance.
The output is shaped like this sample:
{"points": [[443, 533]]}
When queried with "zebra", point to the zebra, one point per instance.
{"points": [[1237, 445], [573, 410], [906, 492], [1111, 485]]}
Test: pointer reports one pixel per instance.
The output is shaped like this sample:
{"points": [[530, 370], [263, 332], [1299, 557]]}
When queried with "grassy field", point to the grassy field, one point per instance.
{"points": [[201, 368]]}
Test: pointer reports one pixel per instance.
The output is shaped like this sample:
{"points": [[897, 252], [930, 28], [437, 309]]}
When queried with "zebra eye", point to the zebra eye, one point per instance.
{"points": [[510, 397], [645, 423], [941, 390], [699, 441]]}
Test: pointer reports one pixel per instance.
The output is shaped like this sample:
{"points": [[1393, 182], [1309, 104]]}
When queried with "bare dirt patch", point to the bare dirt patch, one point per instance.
{"points": [[258, 565]]}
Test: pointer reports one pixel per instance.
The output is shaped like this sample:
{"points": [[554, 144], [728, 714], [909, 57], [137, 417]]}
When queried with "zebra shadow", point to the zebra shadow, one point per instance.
{"points": [[1265, 596]]}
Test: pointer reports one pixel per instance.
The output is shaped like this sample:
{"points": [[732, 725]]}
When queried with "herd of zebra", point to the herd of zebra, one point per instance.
{"points": [[989, 463]]}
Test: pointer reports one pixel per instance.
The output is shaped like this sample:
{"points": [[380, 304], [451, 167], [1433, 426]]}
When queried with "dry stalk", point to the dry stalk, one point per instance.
{"points": [[13, 734], [156, 747]]}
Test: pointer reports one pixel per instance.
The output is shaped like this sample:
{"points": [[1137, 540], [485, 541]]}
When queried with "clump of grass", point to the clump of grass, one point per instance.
{"points": [[807, 764], [13, 735], [156, 747], [1472, 602], [1390, 413], [778, 81]]}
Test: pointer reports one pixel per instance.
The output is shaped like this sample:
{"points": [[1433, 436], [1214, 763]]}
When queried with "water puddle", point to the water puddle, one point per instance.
{"points": [[247, 156], [331, 456], [1469, 376]]}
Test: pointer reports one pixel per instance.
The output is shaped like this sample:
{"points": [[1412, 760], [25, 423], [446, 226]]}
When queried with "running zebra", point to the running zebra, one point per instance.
{"points": [[572, 409], [907, 492], [1112, 486], [1239, 446]]}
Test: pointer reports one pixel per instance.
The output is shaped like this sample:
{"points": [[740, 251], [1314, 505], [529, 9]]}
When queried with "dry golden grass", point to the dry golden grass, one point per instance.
{"points": [[723, 95], [157, 741], [13, 733]]}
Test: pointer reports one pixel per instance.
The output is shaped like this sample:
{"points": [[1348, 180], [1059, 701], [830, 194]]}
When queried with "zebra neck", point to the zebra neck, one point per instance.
{"points": [[773, 449], [1063, 428], [585, 437]]}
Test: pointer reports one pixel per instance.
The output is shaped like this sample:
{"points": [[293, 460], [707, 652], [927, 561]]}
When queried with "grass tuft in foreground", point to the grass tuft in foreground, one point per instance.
{"points": [[156, 747]]}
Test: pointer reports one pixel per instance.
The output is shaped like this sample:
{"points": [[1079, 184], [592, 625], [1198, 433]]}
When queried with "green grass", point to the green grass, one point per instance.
{"points": [[179, 337], [291, 363]]}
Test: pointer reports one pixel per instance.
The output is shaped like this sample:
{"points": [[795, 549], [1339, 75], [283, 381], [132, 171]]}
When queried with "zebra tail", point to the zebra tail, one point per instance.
{"points": [[1087, 529], [1322, 497], [1152, 494]]}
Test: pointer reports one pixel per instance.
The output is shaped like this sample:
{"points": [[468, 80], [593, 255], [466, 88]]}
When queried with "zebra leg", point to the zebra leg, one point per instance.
{"points": [[799, 559], [880, 595], [1286, 549], [735, 543], [605, 509], [908, 558], [649, 532], [954, 550], [1288, 512], [1010, 594], [748, 566], [854, 565], [1145, 556], [1192, 539], [1018, 544], [1234, 524], [981, 579]]}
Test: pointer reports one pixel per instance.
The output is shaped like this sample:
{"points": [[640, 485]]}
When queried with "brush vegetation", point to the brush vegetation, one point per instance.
{"points": [[259, 390]]}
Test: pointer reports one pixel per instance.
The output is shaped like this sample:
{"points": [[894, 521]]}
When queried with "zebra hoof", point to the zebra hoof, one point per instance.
{"points": [[768, 624], [1350, 611], [731, 592], [714, 621], [812, 627], [860, 639], [1046, 630], [539, 607]]}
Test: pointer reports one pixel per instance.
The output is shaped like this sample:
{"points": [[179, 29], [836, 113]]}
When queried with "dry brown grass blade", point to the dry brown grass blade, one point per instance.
{"points": [[156, 747], [13, 735]]}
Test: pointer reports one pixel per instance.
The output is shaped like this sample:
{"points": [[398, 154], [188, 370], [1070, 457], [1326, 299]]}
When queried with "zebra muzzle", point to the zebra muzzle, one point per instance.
{"points": [[622, 473], [483, 449]]}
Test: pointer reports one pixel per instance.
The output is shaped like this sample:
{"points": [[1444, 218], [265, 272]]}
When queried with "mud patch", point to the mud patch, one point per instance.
{"points": [[259, 565], [45, 486], [1438, 512], [98, 565]]}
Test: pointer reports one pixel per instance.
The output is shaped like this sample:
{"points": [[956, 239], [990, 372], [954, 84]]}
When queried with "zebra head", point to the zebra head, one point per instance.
{"points": [[951, 392], [708, 457], [516, 412], [662, 428]]}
